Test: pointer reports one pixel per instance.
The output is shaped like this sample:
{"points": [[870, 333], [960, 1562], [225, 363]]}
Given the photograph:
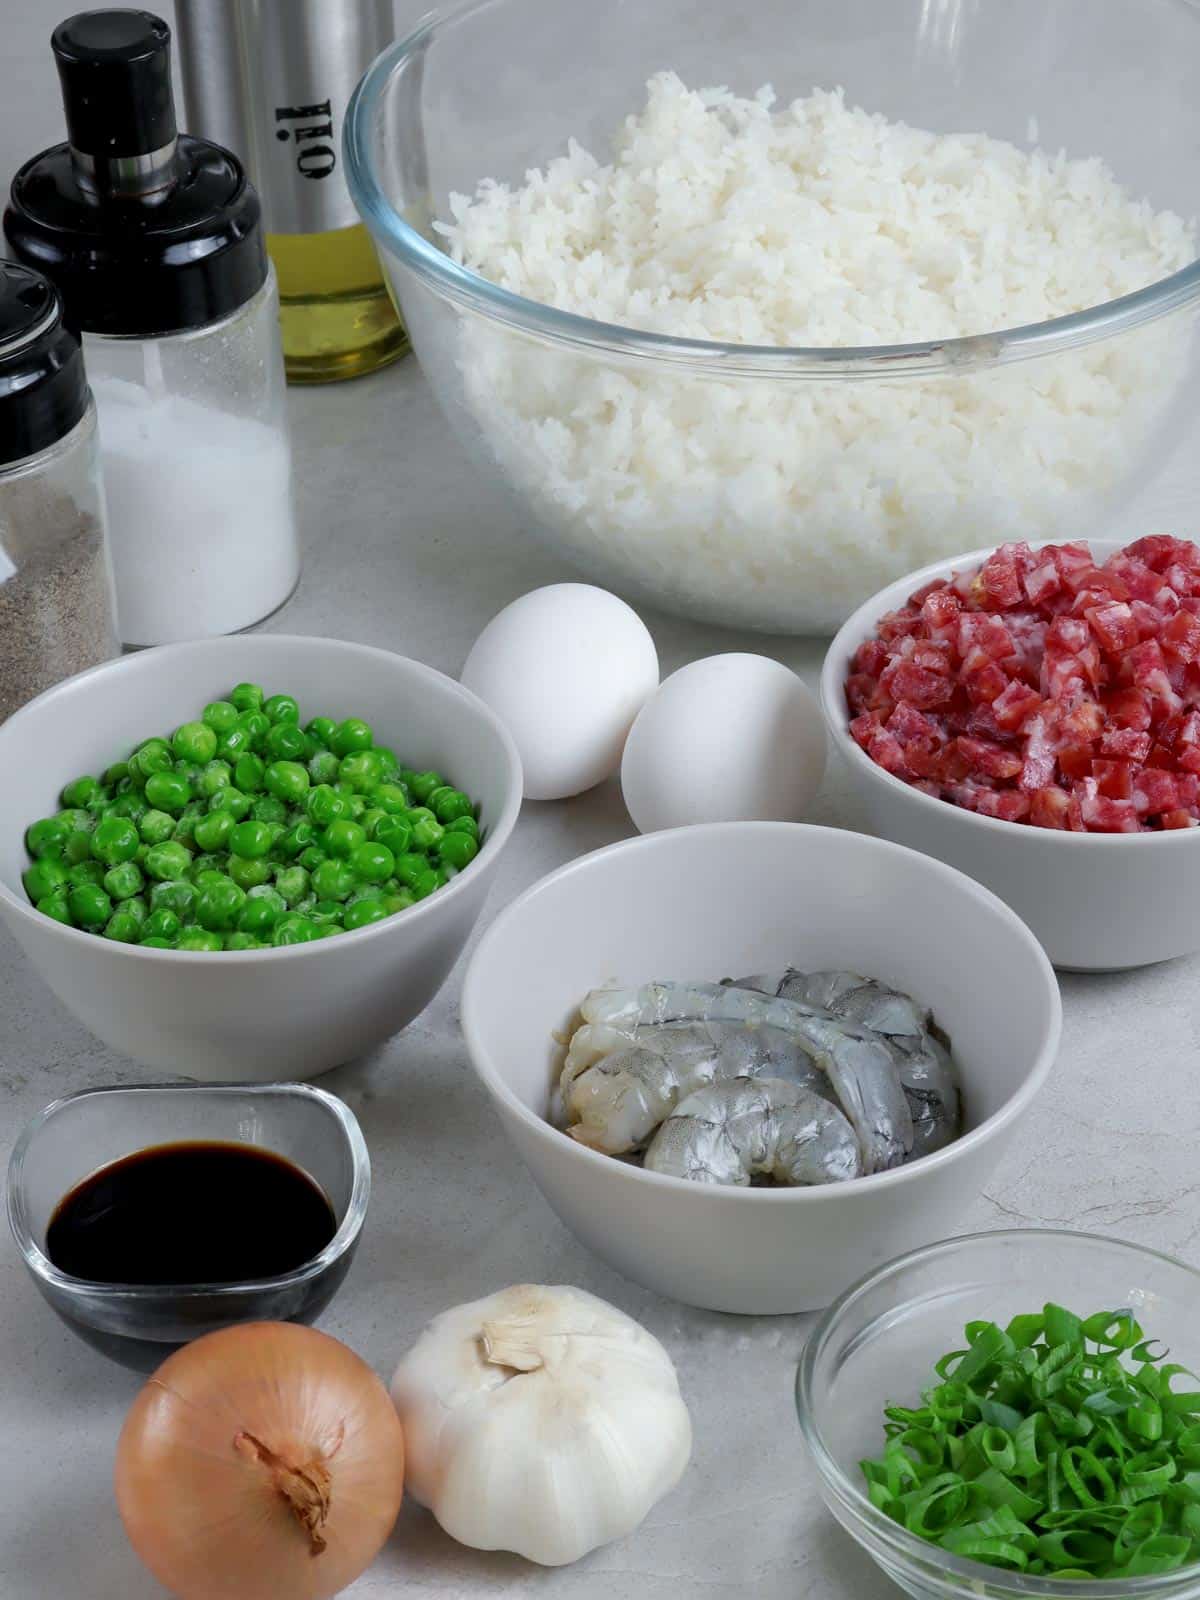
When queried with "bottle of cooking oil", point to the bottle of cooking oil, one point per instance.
{"points": [[271, 80]]}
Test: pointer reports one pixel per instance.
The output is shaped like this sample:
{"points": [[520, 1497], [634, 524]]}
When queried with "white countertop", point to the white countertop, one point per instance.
{"points": [[405, 547]]}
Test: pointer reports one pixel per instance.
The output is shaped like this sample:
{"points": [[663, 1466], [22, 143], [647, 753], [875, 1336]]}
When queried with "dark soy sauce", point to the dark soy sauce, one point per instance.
{"points": [[190, 1214]]}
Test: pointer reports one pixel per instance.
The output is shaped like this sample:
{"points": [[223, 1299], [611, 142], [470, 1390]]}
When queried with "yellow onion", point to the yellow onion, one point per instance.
{"points": [[263, 1462]]}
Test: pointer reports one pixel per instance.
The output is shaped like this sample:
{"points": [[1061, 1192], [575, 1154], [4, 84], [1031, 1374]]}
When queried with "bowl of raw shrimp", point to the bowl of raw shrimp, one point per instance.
{"points": [[630, 951]]}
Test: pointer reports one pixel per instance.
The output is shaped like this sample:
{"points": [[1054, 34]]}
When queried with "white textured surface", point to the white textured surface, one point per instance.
{"points": [[405, 548]]}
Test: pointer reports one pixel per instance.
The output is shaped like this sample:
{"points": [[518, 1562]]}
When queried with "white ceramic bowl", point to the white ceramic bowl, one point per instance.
{"points": [[1097, 901], [720, 898], [254, 1015]]}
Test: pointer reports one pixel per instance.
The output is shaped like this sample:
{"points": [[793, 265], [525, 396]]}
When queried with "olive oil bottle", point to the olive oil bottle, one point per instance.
{"points": [[271, 80]]}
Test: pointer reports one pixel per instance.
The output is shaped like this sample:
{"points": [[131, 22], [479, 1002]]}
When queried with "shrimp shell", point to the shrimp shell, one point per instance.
{"points": [[730, 1132]]}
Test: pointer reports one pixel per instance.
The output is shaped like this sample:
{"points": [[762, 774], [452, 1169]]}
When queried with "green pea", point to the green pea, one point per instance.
{"points": [[249, 838], [256, 725], [423, 784], [167, 791], [207, 866], [287, 780], [325, 805], [426, 829], [195, 742], [321, 730], [282, 708], [261, 910], [136, 906], [175, 895], [131, 805], [426, 882], [89, 871], [79, 791], [185, 826], [457, 849], [218, 904], [192, 937], [372, 863], [122, 927], [153, 755], [154, 942], [213, 830], [78, 847], [123, 881], [231, 745], [242, 941], [324, 910], [464, 825], [100, 802], [248, 772], [233, 801], [115, 774], [324, 767], [155, 827], [399, 901], [220, 715], [247, 697], [90, 906], [56, 905], [363, 912], [392, 798], [168, 861], [389, 764], [248, 872], [292, 884], [217, 775], [352, 734], [294, 929], [46, 835], [296, 839], [395, 832], [286, 741], [161, 924], [362, 770], [43, 878], [334, 880], [342, 838], [115, 839], [267, 808], [370, 820], [76, 820], [448, 804], [132, 783], [312, 857]]}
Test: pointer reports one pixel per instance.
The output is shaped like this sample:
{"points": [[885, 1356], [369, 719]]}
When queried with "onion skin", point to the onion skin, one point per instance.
{"points": [[262, 1462]]}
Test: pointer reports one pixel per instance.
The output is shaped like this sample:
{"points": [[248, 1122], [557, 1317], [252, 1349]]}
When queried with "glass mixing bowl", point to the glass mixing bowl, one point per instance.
{"points": [[877, 1345], [777, 488]]}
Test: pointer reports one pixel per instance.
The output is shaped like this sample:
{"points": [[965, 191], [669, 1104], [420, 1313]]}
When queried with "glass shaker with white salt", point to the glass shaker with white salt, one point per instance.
{"points": [[154, 240]]}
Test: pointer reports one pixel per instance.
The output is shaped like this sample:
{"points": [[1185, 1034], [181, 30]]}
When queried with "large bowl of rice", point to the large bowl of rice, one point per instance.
{"points": [[756, 308]]}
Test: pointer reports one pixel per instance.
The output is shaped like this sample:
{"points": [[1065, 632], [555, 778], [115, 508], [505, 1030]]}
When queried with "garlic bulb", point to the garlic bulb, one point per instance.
{"points": [[540, 1420]]}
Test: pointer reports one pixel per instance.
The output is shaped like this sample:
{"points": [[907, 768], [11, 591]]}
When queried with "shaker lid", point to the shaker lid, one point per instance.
{"points": [[43, 388], [144, 232]]}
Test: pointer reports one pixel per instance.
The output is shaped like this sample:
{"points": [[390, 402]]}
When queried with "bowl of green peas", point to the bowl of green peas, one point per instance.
{"points": [[251, 858]]}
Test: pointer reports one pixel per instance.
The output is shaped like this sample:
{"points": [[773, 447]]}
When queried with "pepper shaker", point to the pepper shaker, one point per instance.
{"points": [[154, 240], [56, 602]]}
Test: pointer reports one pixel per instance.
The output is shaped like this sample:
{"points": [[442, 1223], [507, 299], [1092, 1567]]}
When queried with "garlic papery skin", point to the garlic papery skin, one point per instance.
{"points": [[540, 1420]]}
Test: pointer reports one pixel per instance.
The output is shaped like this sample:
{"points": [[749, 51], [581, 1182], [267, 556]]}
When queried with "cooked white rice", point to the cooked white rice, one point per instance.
{"points": [[783, 503]]}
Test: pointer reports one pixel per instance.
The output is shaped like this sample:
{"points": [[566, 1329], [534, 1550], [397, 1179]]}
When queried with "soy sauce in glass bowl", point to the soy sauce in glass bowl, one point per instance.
{"points": [[148, 1216]]}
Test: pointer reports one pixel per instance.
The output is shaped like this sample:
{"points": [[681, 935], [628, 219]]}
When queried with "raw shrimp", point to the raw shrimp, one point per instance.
{"points": [[619, 1083], [859, 1064], [731, 1131], [927, 1073]]}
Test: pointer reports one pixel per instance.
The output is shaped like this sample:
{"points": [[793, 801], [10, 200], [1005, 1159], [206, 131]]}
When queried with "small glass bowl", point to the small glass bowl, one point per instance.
{"points": [[138, 1324], [877, 1345]]}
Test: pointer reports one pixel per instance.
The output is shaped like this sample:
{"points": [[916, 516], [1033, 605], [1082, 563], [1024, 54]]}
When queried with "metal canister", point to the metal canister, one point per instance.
{"points": [[271, 80]]}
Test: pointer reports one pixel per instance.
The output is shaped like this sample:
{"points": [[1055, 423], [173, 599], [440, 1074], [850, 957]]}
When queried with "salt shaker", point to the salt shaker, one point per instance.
{"points": [[155, 242], [56, 602]]}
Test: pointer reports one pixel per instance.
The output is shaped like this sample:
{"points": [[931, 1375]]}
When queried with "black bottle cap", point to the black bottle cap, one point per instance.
{"points": [[186, 252], [43, 389], [115, 71]]}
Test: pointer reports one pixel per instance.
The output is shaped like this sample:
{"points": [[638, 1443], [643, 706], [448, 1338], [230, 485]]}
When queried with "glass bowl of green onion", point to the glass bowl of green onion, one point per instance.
{"points": [[1014, 1414]]}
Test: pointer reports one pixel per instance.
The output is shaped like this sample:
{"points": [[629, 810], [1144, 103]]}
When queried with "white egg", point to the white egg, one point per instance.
{"points": [[566, 669], [730, 738]]}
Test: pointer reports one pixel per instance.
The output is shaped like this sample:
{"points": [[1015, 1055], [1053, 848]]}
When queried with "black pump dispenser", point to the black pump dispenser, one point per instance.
{"points": [[144, 231]]}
